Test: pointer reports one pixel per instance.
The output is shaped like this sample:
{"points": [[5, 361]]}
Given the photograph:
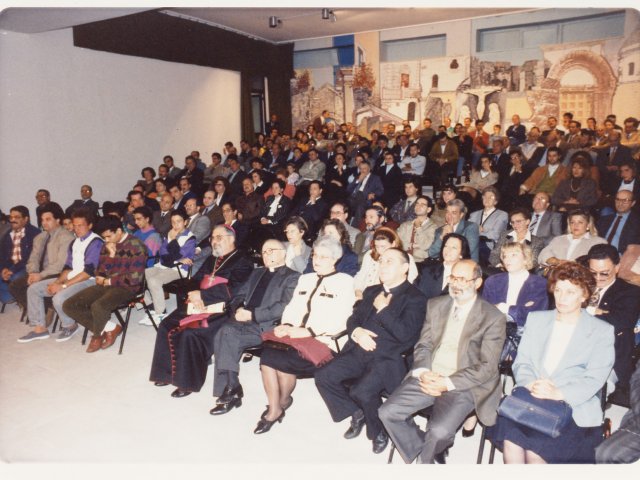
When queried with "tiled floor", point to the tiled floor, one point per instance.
{"points": [[59, 404]]}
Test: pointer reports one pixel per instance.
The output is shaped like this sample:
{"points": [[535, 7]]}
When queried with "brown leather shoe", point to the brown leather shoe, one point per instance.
{"points": [[95, 343], [110, 337]]}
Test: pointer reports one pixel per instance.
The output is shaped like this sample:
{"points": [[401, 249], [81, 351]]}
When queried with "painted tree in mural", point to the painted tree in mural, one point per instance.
{"points": [[363, 83]]}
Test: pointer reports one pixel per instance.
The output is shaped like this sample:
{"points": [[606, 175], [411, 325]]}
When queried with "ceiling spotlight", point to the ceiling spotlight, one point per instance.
{"points": [[274, 21], [325, 13]]}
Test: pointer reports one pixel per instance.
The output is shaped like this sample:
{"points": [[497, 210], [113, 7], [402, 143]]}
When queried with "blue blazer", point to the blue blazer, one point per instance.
{"points": [[583, 369], [532, 297]]}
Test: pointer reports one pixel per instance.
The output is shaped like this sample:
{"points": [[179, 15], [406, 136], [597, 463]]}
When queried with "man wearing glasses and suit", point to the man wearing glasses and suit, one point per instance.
{"points": [[455, 369]]}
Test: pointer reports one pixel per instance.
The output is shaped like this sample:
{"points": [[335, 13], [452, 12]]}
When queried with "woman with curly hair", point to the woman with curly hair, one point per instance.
{"points": [[565, 354]]}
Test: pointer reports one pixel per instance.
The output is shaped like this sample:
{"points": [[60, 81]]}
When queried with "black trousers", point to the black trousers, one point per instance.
{"points": [[356, 368]]}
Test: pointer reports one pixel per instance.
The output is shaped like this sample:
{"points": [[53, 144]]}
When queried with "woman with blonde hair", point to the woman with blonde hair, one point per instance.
{"points": [[581, 236]]}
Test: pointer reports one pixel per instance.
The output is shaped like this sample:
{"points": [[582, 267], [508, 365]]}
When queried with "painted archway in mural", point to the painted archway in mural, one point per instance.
{"points": [[596, 65]]}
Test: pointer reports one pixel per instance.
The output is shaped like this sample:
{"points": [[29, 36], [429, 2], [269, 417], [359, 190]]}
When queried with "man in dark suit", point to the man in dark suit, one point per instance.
{"points": [[236, 176], [313, 209], [364, 188], [545, 223], [272, 124], [623, 227], [194, 174], [516, 132], [617, 302], [162, 218], [384, 326], [610, 159], [391, 177], [455, 369], [257, 307], [84, 202]]}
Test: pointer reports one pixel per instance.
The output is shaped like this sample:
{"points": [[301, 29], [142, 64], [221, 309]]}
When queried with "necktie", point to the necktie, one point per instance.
{"points": [[612, 155], [594, 301], [44, 253], [408, 206], [414, 229], [533, 224], [612, 233]]}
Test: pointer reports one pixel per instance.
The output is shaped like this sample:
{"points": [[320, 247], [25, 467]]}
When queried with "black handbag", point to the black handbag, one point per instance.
{"points": [[549, 417]]}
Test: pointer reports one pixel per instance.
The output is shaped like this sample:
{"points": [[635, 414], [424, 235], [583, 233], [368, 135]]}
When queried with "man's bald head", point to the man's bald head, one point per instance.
{"points": [[273, 253]]}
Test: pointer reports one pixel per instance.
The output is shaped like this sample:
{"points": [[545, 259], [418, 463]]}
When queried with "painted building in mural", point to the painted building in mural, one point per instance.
{"points": [[591, 77]]}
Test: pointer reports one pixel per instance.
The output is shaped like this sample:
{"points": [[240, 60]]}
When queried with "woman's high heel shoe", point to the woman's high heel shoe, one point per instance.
{"points": [[468, 433], [265, 425]]}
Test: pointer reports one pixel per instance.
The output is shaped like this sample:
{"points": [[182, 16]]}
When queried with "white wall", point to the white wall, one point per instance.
{"points": [[70, 116]]}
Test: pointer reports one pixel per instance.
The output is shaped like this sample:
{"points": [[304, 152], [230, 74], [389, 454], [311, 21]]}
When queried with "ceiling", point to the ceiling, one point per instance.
{"points": [[297, 23]]}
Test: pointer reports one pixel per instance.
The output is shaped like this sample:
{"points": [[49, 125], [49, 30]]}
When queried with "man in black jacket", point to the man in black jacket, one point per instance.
{"points": [[256, 308], [617, 302], [383, 326]]}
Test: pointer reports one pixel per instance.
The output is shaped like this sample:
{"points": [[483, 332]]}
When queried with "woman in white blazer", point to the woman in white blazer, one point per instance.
{"points": [[321, 304], [581, 236], [565, 354]]}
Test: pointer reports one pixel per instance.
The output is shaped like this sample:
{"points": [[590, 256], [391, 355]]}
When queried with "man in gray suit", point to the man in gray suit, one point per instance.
{"points": [[545, 223], [200, 226], [256, 308], [455, 369]]}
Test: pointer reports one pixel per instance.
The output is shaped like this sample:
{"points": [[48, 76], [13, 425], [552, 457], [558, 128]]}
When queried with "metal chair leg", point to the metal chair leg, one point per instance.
{"points": [[4, 305], [56, 317], [84, 335], [483, 437], [125, 325], [392, 450]]}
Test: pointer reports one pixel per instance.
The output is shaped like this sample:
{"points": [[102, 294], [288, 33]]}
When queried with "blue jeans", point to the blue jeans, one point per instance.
{"points": [[5, 295]]}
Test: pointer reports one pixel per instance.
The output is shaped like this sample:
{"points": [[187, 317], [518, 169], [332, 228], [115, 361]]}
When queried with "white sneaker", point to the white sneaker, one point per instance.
{"points": [[156, 318]]}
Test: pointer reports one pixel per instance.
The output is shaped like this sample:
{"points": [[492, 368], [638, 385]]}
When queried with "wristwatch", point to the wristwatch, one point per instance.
{"points": [[64, 285]]}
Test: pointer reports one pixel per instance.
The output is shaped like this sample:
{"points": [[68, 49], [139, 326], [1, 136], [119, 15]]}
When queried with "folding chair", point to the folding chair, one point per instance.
{"points": [[130, 305]]}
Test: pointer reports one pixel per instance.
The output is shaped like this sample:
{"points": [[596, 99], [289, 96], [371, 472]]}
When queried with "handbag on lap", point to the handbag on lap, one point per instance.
{"points": [[542, 415]]}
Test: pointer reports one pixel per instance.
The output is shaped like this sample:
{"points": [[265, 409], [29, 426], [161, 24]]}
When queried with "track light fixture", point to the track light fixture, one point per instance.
{"points": [[274, 21], [328, 15]]}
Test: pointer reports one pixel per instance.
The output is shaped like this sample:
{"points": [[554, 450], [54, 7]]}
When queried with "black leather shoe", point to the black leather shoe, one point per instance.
{"points": [[357, 422], [284, 407], [160, 384], [177, 393], [222, 408], [229, 394], [380, 442], [441, 457], [265, 425]]}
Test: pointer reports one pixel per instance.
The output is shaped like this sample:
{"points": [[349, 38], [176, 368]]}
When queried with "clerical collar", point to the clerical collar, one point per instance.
{"points": [[274, 269], [395, 289]]}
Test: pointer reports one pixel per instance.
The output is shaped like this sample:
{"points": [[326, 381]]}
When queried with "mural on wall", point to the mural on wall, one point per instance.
{"points": [[590, 79]]}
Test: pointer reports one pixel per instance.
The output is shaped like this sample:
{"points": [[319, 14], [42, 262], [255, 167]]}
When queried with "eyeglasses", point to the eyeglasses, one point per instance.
{"points": [[624, 200], [601, 274], [218, 238], [269, 251], [516, 222], [454, 279], [336, 212], [321, 257]]}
